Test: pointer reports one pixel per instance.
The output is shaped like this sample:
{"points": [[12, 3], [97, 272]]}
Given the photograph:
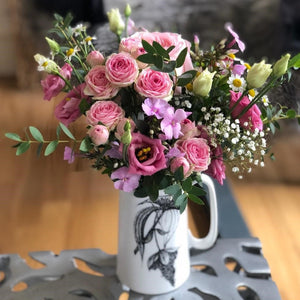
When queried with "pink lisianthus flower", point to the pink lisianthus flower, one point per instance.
{"points": [[67, 111], [251, 117], [197, 152], [125, 181], [97, 84], [146, 156], [53, 84], [121, 69], [170, 124], [216, 169], [154, 84], [108, 113], [155, 107]]}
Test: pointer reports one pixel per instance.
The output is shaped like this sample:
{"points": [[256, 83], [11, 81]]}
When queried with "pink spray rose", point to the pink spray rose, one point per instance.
{"points": [[67, 111], [97, 84], [178, 162], [53, 84], [146, 155], [108, 113], [154, 84], [188, 129], [95, 58], [197, 152], [99, 134], [252, 116], [121, 69]]}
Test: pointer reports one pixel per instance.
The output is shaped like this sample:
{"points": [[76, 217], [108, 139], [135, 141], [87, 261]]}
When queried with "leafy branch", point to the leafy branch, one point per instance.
{"points": [[24, 144]]}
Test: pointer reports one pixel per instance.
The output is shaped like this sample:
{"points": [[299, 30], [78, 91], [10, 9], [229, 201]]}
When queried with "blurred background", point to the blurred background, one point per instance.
{"points": [[46, 204]]}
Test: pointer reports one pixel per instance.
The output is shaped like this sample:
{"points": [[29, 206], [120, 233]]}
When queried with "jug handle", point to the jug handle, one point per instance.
{"points": [[209, 240]]}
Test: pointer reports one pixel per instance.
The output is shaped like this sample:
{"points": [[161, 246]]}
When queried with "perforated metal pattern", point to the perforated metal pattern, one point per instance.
{"points": [[232, 269]]}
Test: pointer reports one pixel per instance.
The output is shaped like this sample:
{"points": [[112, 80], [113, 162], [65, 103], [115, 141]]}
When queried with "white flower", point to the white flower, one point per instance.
{"points": [[78, 29], [237, 83], [265, 100], [252, 93], [235, 169], [71, 52], [88, 40], [45, 64]]}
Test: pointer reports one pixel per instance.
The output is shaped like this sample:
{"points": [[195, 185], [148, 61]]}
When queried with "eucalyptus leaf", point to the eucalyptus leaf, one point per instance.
{"points": [[172, 189], [195, 199], [181, 199], [197, 191], [178, 175], [51, 147], [36, 134], [13, 136], [187, 184], [86, 145], [22, 148], [66, 131]]}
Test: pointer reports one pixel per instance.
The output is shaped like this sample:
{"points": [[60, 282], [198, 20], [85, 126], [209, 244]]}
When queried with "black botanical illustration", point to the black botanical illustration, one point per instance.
{"points": [[156, 222]]}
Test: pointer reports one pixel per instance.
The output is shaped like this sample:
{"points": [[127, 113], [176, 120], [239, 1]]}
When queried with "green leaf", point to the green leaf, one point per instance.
{"points": [[272, 156], [158, 61], [294, 61], [172, 189], [186, 77], [148, 47], [169, 67], [195, 199], [160, 50], [86, 145], [22, 148], [51, 147], [180, 200], [36, 134], [178, 175], [291, 114], [58, 130], [197, 191], [13, 136], [170, 49], [272, 127], [140, 192], [84, 105], [147, 58], [181, 58], [66, 131], [39, 149], [187, 184]]}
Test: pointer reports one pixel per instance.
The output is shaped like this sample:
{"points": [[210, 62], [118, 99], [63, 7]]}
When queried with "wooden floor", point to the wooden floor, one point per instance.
{"points": [[46, 204]]}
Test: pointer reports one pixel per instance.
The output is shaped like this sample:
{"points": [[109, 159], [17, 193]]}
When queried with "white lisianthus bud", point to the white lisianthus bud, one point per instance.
{"points": [[127, 11], [202, 84], [281, 65], [258, 74], [54, 46], [116, 22]]}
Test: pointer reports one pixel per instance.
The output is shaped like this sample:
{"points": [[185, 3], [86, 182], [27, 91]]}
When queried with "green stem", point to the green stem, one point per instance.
{"points": [[267, 121]]}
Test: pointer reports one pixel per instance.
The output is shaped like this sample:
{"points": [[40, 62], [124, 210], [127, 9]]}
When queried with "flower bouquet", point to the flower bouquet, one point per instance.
{"points": [[160, 111]]}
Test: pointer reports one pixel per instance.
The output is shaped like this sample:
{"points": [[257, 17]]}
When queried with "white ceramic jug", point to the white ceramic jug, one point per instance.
{"points": [[154, 241]]}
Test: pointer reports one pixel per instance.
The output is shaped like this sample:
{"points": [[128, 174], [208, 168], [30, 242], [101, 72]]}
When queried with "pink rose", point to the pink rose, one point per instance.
{"points": [[97, 84], [95, 58], [154, 84], [108, 113], [252, 116], [146, 155], [216, 169], [197, 152], [67, 111], [120, 127], [99, 134], [178, 162], [53, 84], [121, 69], [188, 129]]}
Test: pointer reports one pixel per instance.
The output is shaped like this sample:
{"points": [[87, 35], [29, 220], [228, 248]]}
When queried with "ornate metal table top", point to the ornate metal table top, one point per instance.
{"points": [[232, 269]]}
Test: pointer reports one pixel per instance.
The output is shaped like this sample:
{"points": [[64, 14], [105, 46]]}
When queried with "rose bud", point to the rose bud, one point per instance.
{"points": [[95, 58], [99, 134]]}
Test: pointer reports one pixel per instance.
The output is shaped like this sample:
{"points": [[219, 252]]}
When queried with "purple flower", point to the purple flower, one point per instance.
{"points": [[126, 181], [170, 124], [174, 152], [114, 152], [236, 38], [238, 69], [69, 155], [155, 107]]}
